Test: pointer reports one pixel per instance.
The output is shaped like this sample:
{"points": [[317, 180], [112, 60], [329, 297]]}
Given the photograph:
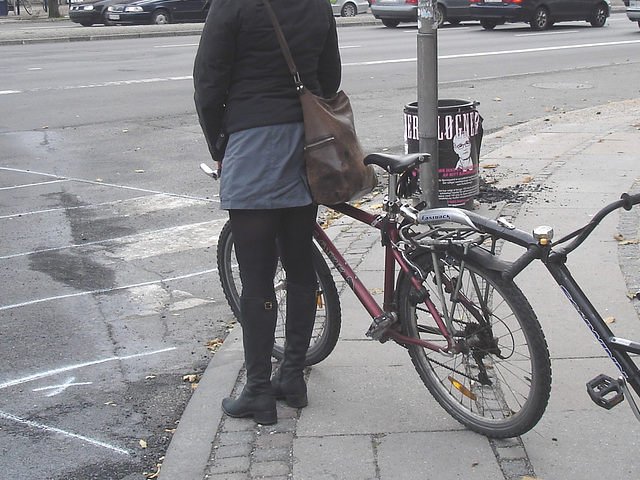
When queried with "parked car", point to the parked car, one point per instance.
{"points": [[90, 13], [539, 14], [157, 12], [393, 12], [349, 8], [633, 10]]}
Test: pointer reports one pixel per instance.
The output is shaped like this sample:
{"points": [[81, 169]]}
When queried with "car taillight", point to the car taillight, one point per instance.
{"points": [[411, 1]]}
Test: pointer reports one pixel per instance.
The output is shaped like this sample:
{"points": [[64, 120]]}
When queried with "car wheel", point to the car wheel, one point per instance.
{"points": [[440, 15], [540, 19], [348, 10], [390, 23], [488, 24], [599, 16], [160, 17], [105, 18], [86, 24]]}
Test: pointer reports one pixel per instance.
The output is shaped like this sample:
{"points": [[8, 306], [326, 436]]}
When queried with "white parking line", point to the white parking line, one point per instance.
{"points": [[58, 389], [40, 426], [104, 290], [37, 376]]}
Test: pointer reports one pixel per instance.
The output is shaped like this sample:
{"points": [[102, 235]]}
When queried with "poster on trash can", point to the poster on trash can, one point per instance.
{"points": [[459, 140]]}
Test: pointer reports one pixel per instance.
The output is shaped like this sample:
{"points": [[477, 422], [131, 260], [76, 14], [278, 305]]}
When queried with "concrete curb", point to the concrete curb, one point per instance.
{"points": [[190, 447]]}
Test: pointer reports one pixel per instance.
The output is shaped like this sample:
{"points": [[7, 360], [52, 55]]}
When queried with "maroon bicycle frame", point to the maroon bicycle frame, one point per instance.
{"points": [[391, 257]]}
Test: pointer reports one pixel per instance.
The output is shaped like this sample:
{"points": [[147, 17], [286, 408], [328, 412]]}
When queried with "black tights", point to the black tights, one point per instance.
{"points": [[263, 236]]}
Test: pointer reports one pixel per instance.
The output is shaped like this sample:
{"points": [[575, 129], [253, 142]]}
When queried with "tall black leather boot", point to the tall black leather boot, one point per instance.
{"points": [[288, 381], [258, 327]]}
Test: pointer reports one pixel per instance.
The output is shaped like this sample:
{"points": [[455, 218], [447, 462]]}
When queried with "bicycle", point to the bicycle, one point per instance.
{"points": [[26, 4], [470, 331]]}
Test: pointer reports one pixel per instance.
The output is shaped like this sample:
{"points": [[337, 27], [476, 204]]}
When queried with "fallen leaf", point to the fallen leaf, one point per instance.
{"points": [[191, 378], [143, 444], [526, 179], [609, 320], [374, 291], [618, 237], [632, 241]]}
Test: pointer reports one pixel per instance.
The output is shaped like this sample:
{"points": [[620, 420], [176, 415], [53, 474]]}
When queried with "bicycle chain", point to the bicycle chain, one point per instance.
{"points": [[451, 369]]}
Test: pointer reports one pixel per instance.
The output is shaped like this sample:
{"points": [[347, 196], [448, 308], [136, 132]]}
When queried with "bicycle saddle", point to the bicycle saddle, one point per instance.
{"points": [[395, 164]]}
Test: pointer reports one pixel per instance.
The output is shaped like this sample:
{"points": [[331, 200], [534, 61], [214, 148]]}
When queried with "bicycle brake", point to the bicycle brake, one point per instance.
{"points": [[379, 326]]}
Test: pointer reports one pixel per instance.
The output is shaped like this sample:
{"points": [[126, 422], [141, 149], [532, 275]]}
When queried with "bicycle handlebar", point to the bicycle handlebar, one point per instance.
{"points": [[630, 200], [532, 253]]}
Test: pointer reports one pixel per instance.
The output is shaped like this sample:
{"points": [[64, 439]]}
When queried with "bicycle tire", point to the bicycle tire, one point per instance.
{"points": [[328, 314], [515, 391], [26, 4]]}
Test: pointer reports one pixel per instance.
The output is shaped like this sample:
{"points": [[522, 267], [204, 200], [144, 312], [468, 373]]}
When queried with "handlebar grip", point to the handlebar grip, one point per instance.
{"points": [[521, 263], [630, 200]]}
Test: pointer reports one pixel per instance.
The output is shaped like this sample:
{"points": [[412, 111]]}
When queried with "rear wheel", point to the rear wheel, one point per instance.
{"points": [[599, 17], [488, 24], [348, 10], [390, 23], [540, 19], [440, 15], [160, 17], [326, 329], [499, 383]]}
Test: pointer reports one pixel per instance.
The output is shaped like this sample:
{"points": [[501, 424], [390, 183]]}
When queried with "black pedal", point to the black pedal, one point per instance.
{"points": [[605, 391], [379, 325]]}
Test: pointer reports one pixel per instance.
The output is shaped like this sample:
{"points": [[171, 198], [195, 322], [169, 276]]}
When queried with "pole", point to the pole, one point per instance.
{"points": [[428, 99]]}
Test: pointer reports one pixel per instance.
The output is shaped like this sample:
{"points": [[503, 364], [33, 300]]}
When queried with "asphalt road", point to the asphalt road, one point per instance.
{"points": [[109, 291]]}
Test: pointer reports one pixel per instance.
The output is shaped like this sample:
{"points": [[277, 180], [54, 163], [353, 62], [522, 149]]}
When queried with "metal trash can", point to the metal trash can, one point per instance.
{"points": [[4, 8], [459, 140]]}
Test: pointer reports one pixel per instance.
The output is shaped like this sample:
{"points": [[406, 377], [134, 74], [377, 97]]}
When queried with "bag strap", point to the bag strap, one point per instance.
{"points": [[284, 46]]}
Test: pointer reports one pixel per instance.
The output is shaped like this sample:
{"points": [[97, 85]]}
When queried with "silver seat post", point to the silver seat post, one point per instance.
{"points": [[392, 194]]}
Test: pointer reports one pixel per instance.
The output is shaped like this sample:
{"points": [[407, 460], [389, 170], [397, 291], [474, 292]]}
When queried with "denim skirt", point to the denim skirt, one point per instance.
{"points": [[263, 168]]}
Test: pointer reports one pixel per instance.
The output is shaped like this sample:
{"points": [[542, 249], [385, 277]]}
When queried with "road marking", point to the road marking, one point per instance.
{"points": [[40, 426], [57, 389], [39, 184], [539, 34], [57, 371], [106, 184], [146, 236], [499, 52], [104, 290], [177, 45], [141, 81]]}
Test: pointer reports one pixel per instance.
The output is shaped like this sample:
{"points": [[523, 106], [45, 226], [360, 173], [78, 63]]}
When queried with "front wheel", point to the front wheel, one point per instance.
{"points": [[599, 17], [26, 5], [326, 329], [498, 384]]}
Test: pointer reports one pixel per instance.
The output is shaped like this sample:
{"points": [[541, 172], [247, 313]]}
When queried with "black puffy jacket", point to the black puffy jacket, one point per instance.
{"points": [[240, 75]]}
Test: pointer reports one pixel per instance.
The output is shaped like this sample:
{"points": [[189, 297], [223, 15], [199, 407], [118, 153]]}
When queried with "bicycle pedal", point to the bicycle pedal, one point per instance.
{"points": [[605, 391], [379, 325]]}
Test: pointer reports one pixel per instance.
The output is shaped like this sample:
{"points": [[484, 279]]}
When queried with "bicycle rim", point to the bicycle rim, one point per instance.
{"points": [[499, 384], [327, 324]]}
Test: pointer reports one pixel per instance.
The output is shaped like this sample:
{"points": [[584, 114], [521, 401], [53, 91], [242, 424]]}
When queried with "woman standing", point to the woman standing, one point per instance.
{"points": [[244, 90]]}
